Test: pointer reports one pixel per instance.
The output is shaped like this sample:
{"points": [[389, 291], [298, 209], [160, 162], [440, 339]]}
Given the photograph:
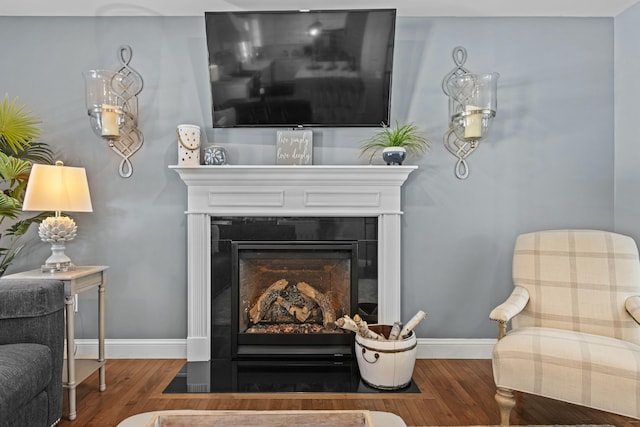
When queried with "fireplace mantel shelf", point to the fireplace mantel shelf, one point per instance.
{"points": [[261, 175], [293, 190], [275, 190]]}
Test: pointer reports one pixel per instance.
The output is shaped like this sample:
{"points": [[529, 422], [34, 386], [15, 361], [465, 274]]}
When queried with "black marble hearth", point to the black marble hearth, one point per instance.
{"points": [[273, 376]]}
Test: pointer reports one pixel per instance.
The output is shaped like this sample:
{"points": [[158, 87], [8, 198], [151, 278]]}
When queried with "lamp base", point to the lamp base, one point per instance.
{"points": [[56, 268], [58, 261]]}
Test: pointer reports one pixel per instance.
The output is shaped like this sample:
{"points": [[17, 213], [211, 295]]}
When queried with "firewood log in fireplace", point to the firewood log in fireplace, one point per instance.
{"points": [[256, 313], [300, 313], [304, 303], [324, 301]]}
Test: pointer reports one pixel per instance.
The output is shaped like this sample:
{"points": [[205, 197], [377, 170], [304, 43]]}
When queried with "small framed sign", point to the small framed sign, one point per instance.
{"points": [[294, 147]]}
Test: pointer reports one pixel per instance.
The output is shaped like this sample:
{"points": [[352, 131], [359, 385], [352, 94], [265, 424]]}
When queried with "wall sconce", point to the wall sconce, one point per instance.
{"points": [[472, 107], [112, 105], [57, 188]]}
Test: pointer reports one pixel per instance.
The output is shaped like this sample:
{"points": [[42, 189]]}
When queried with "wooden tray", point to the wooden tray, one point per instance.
{"points": [[264, 419]]}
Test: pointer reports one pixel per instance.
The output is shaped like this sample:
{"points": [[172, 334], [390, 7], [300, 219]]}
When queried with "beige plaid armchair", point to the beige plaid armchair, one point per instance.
{"points": [[575, 314]]}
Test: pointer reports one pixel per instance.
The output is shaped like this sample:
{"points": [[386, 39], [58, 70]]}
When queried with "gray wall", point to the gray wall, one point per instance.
{"points": [[627, 153], [549, 162]]}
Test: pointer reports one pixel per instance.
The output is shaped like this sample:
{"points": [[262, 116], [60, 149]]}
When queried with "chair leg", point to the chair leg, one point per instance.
{"points": [[506, 402]]}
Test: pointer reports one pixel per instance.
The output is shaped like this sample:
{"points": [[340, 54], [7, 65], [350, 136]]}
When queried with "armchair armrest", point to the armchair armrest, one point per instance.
{"points": [[30, 302], [632, 304], [32, 311], [513, 305]]}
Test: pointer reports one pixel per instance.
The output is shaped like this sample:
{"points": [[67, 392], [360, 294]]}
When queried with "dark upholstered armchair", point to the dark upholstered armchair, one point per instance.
{"points": [[31, 352]]}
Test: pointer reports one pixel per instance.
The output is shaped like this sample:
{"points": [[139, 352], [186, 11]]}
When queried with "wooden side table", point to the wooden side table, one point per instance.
{"points": [[77, 281]]}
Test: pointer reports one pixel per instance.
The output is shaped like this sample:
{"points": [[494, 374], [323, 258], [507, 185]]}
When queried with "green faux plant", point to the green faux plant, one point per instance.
{"points": [[407, 135], [18, 151]]}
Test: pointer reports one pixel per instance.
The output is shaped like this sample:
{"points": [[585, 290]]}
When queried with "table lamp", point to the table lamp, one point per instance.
{"points": [[57, 188]]}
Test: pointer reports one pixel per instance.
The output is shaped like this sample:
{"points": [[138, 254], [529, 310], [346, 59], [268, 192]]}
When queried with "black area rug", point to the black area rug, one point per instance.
{"points": [[260, 376]]}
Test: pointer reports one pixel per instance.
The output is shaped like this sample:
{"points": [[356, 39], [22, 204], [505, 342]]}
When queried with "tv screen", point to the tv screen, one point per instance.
{"points": [[300, 68]]}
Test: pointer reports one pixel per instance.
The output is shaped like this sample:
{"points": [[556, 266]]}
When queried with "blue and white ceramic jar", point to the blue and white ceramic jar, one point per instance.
{"points": [[394, 155]]}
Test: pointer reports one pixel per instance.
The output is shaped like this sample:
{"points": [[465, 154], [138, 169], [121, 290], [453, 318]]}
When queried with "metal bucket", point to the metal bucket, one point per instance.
{"points": [[387, 365]]}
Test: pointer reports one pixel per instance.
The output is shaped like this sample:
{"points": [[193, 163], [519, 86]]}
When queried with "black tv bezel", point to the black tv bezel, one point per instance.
{"points": [[385, 122]]}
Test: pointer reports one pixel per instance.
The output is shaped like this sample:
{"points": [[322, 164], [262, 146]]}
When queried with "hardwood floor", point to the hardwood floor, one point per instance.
{"points": [[454, 392]]}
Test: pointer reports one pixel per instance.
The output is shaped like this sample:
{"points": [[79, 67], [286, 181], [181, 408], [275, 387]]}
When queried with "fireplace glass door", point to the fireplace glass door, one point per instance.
{"points": [[289, 295]]}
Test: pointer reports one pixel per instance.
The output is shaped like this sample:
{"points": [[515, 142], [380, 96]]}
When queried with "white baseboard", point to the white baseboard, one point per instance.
{"points": [[455, 348], [133, 349], [428, 348]]}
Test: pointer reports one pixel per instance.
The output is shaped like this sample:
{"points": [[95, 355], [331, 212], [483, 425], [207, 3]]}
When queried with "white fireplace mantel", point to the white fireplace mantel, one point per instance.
{"points": [[269, 190]]}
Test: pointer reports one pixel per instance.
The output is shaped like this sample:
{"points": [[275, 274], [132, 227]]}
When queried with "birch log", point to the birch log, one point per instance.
{"points": [[364, 331], [395, 331], [411, 324], [345, 322]]}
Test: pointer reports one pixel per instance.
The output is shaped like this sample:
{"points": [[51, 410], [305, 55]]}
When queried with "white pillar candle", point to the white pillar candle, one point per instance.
{"points": [[110, 120], [214, 73], [472, 123]]}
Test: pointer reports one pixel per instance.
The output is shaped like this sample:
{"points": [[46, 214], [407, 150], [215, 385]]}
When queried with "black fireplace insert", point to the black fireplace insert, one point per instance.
{"points": [[287, 296], [279, 284]]}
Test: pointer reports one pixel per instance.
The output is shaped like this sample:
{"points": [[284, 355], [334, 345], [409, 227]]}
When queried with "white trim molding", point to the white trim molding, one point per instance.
{"points": [[428, 348], [455, 348], [133, 349]]}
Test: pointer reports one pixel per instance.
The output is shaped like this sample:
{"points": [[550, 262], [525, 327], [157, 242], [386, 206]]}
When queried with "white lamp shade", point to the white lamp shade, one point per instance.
{"points": [[57, 188]]}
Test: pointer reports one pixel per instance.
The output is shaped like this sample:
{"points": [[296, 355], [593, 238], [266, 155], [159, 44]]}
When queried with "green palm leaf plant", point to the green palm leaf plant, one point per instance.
{"points": [[406, 135], [18, 127], [18, 151]]}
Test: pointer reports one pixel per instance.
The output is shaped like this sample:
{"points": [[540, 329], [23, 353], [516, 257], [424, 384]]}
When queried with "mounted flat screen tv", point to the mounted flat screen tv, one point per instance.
{"points": [[300, 68]]}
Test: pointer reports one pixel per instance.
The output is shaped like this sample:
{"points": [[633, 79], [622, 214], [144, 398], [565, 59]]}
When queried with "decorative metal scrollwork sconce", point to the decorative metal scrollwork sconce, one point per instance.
{"points": [[472, 107], [112, 105]]}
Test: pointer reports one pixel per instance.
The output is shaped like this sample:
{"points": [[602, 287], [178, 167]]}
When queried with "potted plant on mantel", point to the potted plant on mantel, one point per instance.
{"points": [[396, 143], [18, 151]]}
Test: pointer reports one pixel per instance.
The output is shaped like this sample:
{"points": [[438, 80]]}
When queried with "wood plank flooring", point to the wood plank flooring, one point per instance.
{"points": [[454, 392]]}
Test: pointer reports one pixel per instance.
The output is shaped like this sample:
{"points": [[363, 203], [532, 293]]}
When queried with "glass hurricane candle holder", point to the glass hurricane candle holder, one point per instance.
{"points": [[472, 105]]}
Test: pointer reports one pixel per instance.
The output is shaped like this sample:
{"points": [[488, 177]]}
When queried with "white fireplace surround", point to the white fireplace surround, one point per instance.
{"points": [[256, 190]]}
